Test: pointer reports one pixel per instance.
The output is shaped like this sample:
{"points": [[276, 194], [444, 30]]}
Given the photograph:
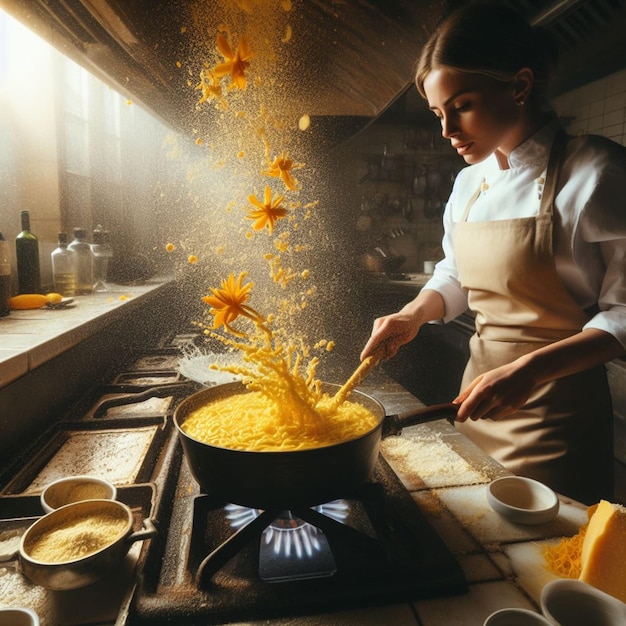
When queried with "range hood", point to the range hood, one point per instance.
{"points": [[355, 57]]}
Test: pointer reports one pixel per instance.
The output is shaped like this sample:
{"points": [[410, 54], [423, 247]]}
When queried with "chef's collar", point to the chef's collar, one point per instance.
{"points": [[535, 150]]}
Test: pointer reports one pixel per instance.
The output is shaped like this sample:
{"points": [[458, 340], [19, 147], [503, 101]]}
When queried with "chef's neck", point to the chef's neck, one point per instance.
{"points": [[531, 119]]}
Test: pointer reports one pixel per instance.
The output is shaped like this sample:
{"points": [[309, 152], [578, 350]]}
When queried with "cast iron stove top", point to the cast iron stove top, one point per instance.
{"points": [[223, 563]]}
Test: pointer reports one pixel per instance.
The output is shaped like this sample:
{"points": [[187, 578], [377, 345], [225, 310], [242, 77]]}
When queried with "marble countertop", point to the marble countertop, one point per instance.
{"points": [[447, 476]]}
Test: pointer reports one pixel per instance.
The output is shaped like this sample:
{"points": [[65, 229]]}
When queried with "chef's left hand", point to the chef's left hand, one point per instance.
{"points": [[496, 393]]}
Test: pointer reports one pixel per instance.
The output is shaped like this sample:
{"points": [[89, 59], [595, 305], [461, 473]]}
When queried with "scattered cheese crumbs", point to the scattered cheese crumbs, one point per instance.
{"points": [[115, 455], [192, 258], [288, 34], [330, 346], [170, 247], [198, 141], [179, 64], [129, 102], [434, 462], [431, 504], [240, 154], [124, 297], [183, 29]]}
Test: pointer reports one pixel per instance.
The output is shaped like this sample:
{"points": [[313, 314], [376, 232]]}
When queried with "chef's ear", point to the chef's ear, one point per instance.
{"points": [[522, 85]]}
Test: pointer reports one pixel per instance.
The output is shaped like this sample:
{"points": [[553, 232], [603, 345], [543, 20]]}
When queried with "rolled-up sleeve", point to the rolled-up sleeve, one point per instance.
{"points": [[603, 226], [445, 278]]}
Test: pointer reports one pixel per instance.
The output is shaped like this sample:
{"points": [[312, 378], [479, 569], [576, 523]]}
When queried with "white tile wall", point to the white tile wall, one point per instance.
{"points": [[598, 107]]}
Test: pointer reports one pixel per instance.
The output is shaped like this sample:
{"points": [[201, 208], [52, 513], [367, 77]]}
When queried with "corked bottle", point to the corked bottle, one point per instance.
{"points": [[27, 252]]}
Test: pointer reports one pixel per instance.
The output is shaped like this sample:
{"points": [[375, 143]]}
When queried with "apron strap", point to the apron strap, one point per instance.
{"points": [[555, 162], [470, 203]]}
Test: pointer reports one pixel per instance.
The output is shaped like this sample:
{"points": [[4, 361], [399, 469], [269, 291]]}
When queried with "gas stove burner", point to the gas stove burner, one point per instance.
{"points": [[287, 534], [290, 548]]}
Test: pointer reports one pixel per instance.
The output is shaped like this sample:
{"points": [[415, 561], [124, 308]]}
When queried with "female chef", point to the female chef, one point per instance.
{"points": [[535, 245]]}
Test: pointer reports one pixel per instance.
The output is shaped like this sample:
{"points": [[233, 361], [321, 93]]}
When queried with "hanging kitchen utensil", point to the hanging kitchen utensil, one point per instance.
{"points": [[419, 180], [433, 179], [407, 209], [433, 206], [296, 478]]}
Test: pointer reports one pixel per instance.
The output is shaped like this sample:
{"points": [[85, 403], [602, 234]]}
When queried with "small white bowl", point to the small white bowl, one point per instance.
{"points": [[522, 500], [74, 489], [516, 617], [15, 616], [575, 603]]}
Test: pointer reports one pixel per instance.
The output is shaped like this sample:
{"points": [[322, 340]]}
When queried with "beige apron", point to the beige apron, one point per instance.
{"points": [[563, 435]]}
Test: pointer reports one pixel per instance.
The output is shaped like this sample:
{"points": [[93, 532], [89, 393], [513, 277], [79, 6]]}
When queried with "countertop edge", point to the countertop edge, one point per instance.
{"points": [[28, 339]]}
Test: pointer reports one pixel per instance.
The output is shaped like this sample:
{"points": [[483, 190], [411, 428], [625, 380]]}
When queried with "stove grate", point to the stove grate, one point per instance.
{"points": [[385, 552]]}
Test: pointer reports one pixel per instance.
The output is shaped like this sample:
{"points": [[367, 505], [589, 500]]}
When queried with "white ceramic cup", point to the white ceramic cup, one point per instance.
{"points": [[516, 617], [522, 500], [73, 488], [567, 602], [18, 617], [429, 267]]}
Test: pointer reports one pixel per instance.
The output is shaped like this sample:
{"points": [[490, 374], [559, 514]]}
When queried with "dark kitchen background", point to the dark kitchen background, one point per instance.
{"points": [[100, 124]]}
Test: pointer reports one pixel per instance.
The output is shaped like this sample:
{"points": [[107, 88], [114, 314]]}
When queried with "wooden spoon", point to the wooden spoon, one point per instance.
{"points": [[366, 366]]}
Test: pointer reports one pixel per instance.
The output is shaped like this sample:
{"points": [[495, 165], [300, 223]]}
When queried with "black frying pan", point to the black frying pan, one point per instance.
{"points": [[293, 479]]}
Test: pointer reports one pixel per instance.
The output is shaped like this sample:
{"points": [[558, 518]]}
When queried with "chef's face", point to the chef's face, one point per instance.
{"points": [[478, 114]]}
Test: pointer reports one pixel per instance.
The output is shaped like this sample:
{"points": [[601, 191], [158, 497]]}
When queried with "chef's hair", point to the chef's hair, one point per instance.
{"points": [[492, 39]]}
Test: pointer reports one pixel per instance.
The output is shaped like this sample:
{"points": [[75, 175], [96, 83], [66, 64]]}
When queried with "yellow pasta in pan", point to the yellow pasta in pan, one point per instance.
{"points": [[250, 421]]}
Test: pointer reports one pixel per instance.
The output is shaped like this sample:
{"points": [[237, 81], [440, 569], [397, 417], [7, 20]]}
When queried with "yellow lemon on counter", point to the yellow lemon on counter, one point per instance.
{"points": [[53, 298]]}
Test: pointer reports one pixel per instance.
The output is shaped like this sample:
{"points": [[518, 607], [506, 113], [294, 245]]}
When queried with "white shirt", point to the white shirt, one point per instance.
{"points": [[589, 220]]}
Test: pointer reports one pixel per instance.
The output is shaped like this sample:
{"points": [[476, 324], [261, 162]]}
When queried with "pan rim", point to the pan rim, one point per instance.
{"points": [[281, 453]]}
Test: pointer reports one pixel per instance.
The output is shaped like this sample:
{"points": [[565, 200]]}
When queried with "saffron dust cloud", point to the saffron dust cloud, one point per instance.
{"points": [[284, 408]]}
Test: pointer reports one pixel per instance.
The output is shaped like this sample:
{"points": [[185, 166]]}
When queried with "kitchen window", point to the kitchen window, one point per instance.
{"points": [[73, 151]]}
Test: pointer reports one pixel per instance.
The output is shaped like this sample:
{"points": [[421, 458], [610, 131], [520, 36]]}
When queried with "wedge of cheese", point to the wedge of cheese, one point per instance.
{"points": [[603, 556]]}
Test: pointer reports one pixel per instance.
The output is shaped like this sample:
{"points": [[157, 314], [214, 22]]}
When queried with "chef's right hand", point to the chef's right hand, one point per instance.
{"points": [[389, 334]]}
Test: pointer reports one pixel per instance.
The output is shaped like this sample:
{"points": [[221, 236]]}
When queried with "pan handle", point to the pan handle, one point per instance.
{"points": [[393, 424], [148, 531]]}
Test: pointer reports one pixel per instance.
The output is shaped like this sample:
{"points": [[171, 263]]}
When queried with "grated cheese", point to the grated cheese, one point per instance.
{"points": [[77, 538], [563, 559]]}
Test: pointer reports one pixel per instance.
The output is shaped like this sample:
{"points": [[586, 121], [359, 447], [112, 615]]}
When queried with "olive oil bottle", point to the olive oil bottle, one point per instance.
{"points": [[5, 276], [64, 268], [27, 252], [84, 260]]}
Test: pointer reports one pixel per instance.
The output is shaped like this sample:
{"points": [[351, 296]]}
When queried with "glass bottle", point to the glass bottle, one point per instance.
{"points": [[27, 251], [84, 260], [5, 276], [102, 252], [64, 268]]}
